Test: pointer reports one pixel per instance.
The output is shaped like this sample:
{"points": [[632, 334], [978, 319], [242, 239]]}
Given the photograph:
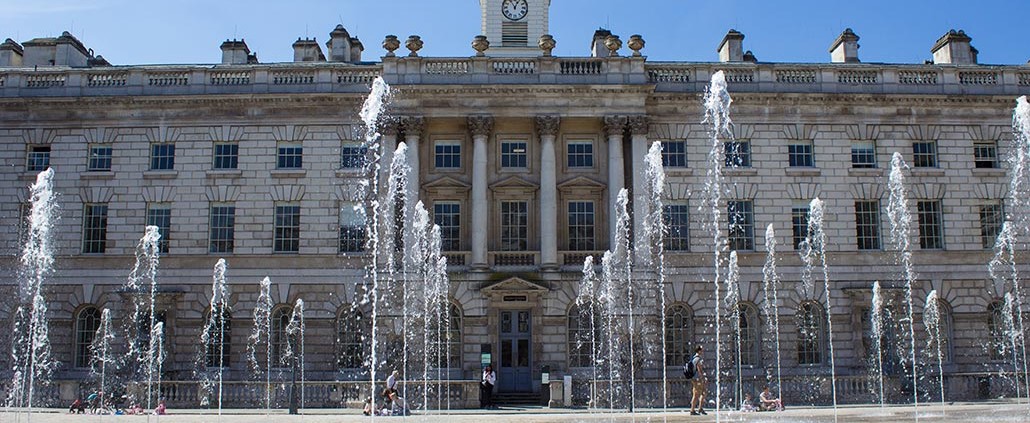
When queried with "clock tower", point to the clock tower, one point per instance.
{"points": [[514, 26]]}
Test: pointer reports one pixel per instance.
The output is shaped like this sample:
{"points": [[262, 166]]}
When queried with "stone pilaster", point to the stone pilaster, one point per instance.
{"points": [[615, 127], [480, 126], [389, 127], [638, 129], [412, 126], [547, 127]]}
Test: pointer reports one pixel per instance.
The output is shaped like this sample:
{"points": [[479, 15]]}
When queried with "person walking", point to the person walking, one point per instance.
{"points": [[488, 382], [699, 383], [391, 382]]}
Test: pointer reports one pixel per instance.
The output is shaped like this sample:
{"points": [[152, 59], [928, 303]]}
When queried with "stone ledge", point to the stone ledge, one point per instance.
{"points": [[989, 173], [288, 173], [226, 173], [160, 174]]}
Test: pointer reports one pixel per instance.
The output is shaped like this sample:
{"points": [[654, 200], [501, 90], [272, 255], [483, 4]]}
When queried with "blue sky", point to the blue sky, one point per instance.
{"points": [[190, 31]]}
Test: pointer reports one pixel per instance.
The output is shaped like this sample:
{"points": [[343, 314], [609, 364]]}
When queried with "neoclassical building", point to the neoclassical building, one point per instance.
{"points": [[518, 155]]}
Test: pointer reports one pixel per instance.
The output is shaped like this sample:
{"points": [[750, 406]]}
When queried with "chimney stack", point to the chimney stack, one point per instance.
{"points": [[731, 49], [11, 53], [339, 45], [597, 47], [236, 52], [307, 50], [953, 48], [845, 48], [355, 49]]}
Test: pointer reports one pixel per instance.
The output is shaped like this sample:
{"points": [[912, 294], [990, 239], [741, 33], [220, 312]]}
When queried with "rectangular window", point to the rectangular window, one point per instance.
{"points": [[581, 154], [290, 155], [738, 153], [448, 217], [352, 228], [162, 156], [353, 156], [991, 218], [985, 155], [799, 223], [801, 155], [581, 225], [674, 154], [741, 225], [924, 154], [514, 226], [863, 155], [38, 158], [99, 158], [931, 225], [677, 224], [160, 215], [867, 225], [222, 228], [94, 228], [226, 156], [513, 155], [287, 228], [447, 155]]}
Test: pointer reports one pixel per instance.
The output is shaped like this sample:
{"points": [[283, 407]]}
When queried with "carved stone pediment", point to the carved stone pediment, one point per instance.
{"points": [[582, 184], [446, 184], [514, 184], [514, 288]]}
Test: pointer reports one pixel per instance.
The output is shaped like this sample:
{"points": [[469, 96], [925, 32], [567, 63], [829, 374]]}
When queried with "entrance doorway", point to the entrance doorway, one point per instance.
{"points": [[515, 359]]}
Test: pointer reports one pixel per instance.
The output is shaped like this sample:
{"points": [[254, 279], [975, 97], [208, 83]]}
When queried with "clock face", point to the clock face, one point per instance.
{"points": [[514, 9]]}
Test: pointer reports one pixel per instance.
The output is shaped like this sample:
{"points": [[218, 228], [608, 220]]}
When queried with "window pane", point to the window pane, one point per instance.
{"points": [[160, 215], [679, 326], [290, 156], [581, 225], [94, 228], [86, 324], [352, 229], [581, 154], [985, 155], [218, 331], [931, 231], [674, 153], [677, 224], [924, 154], [741, 225], [448, 156], [867, 225], [863, 155], [99, 158], [991, 219], [800, 155], [351, 340], [513, 154], [38, 158], [448, 217], [226, 156], [287, 229], [799, 224], [222, 228], [514, 226], [738, 153], [162, 156], [353, 156], [810, 333]]}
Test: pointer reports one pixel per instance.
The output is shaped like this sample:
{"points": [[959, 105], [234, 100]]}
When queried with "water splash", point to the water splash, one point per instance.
{"points": [[587, 303], [814, 254], [214, 332], [717, 103], [295, 354], [655, 230], [901, 221], [876, 326], [101, 353], [932, 321], [262, 334], [732, 304], [1003, 270], [771, 303], [33, 362]]}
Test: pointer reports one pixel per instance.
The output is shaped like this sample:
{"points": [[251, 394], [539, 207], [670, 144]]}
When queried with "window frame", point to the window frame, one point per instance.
{"points": [[94, 227], [289, 155], [449, 222], [286, 227], [580, 341], [507, 227], [353, 238], [677, 231], [750, 337], [353, 155], [930, 219], [352, 340], [278, 339], [740, 236], [737, 154], [220, 338], [37, 157], [447, 155], [991, 222], [162, 156], [85, 335], [799, 215], [674, 159], [95, 162], [507, 157], [863, 149], [160, 214], [580, 160], [797, 157], [873, 241], [811, 351], [679, 331], [925, 159], [225, 241], [582, 225], [225, 160], [989, 162]]}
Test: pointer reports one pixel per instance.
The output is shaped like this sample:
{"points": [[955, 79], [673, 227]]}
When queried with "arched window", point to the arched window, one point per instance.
{"points": [[86, 324], [946, 325], [997, 327], [451, 338], [750, 345], [811, 333], [679, 332], [279, 340], [218, 337], [584, 328], [351, 339]]}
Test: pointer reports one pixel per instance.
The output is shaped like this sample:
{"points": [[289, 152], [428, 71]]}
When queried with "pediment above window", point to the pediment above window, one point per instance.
{"points": [[445, 185], [514, 184], [582, 184]]}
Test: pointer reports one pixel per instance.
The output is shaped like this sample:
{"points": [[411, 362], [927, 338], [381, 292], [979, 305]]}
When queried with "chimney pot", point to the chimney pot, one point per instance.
{"points": [[731, 49]]}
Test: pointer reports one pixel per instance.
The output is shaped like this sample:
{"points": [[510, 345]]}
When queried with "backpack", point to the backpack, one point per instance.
{"points": [[688, 371]]}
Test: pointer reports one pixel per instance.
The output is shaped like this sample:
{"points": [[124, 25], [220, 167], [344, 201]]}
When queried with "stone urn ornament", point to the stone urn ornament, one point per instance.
{"points": [[391, 43], [636, 43], [547, 43], [480, 44], [414, 44], [613, 43]]}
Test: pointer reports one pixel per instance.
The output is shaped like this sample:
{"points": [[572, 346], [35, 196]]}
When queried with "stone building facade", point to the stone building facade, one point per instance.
{"points": [[519, 157]]}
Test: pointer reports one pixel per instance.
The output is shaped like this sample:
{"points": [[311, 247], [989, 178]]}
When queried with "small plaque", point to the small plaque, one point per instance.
{"points": [[515, 298]]}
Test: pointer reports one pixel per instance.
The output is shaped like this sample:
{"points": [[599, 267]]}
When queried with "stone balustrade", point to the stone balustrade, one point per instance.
{"points": [[666, 76]]}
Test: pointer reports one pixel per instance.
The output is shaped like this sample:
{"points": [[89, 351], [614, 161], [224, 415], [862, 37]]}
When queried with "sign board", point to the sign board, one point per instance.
{"points": [[485, 359]]}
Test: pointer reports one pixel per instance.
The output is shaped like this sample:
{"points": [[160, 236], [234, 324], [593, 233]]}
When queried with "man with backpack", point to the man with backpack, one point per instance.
{"points": [[695, 372]]}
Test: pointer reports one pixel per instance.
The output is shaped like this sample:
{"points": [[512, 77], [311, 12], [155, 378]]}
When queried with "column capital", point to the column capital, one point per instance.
{"points": [[614, 125], [638, 125], [389, 125], [548, 124], [480, 124], [413, 125]]}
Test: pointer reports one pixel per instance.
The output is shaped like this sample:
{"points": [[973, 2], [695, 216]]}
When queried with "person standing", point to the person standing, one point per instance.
{"points": [[699, 383], [488, 382], [391, 382]]}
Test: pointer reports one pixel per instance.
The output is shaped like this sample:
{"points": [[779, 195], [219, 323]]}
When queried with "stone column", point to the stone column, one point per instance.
{"points": [[413, 127], [548, 126], [641, 206], [480, 126], [388, 129], [615, 126]]}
